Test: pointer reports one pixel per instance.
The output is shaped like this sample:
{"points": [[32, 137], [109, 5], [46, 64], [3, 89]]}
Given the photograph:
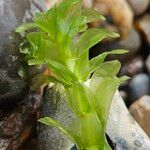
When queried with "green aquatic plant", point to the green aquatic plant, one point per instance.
{"points": [[61, 41]]}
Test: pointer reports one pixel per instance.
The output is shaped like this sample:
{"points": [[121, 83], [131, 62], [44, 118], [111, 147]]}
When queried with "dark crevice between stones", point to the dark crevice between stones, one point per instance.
{"points": [[110, 142]]}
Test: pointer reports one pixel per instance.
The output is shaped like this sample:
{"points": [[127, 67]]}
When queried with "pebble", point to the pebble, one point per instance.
{"points": [[88, 3], [133, 46], [123, 130], [140, 110], [143, 25], [139, 86], [139, 6], [133, 67], [123, 20], [147, 63]]}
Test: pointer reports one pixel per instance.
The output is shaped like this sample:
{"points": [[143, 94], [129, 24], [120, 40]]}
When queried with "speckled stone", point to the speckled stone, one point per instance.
{"points": [[13, 88]]}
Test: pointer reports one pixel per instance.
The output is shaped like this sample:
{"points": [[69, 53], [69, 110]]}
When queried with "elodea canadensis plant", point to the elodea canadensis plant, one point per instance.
{"points": [[61, 41]]}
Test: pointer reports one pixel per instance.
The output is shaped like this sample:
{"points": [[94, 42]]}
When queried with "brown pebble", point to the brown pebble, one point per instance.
{"points": [[140, 110], [143, 25]]}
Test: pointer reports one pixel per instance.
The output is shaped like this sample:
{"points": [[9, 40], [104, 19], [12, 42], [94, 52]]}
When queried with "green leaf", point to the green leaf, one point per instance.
{"points": [[60, 71], [92, 15], [77, 99], [81, 67], [104, 89], [70, 8], [78, 24], [95, 137], [70, 12], [123, 78], [91, 37], [41, 79], [108, 69], [47, 21], [104, 84], [72, 135], [96, 61], [42, 47], [25, 26]]}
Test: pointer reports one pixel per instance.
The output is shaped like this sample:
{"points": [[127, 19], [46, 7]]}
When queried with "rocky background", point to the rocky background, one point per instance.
{"points": [[20, 106]]}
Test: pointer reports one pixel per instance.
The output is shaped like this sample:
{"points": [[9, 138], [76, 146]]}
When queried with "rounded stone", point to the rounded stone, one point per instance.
{"points": [[140, 110], [147, 63], [133, 67], [139, 6], [135, 44], [139, 86], [143, 25]]}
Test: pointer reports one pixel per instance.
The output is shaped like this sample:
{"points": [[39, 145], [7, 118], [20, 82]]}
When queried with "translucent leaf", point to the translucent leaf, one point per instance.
{"points": [[42, 47], [70, 12], [81, 66], [72, 135], [104, 89], [95, 137], [70, 8], [92, 15], [77, 25], [77, 99], [91, 129], [123, 78], [104, 84], [96, 61], [108, 69], [41, 79], [47, 21], [60, 71], [91, 37]]}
